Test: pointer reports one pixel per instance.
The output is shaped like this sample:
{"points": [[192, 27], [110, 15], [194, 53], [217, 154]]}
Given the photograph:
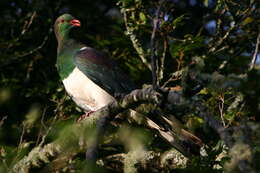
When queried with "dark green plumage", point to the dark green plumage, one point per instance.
{"points": [[101, 70]]}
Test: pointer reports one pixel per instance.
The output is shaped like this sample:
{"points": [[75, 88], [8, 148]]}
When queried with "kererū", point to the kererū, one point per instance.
{"points": [[90, 77]]}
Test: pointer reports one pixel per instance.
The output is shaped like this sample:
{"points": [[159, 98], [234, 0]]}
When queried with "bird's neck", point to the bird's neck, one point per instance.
{"points": [[66, 50], [63, 42]]}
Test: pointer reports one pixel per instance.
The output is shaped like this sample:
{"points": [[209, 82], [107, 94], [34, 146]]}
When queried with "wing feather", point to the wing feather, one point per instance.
{"points": [[102, 71]]}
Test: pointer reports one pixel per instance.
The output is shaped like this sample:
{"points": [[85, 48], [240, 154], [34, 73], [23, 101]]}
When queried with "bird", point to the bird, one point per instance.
{"points": [[91, 78]]}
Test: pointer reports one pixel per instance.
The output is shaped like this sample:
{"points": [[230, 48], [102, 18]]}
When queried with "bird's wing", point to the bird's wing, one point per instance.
{"points": [[102, 71]]}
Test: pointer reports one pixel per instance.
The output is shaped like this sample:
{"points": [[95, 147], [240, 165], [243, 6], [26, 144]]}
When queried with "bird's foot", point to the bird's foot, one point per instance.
{"points": [[82, 117]]}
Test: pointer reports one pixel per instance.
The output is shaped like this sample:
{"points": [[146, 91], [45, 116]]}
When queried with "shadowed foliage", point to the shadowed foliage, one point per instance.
{"points": [[202, 115]]}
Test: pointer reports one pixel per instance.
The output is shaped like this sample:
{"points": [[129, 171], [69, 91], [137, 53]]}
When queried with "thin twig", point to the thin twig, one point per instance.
{"points": [[256, 51], [10, 60], [226, 7], [28, 24], [3, 120], [20, 147], [43, 125], [162, 60], [222, 39], [154, 60], [221, 107], [204, 113], [25, 28], [21, 137], [174, 76]]}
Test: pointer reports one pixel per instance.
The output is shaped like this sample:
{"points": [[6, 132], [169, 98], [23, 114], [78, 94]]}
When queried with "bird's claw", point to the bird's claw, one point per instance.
{"points": [[82, 117]]}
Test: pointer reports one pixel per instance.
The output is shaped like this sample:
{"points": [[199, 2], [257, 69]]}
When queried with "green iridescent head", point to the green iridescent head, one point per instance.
{"points": [[63, 25]]}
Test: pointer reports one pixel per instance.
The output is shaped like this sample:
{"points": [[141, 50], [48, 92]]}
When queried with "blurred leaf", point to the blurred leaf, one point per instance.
{"points": [[32, 116], [206, 3], [247, 20], [5, 95], [142, 17]]}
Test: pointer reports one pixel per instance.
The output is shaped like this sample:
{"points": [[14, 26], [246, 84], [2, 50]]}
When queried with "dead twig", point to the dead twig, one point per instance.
{"points": [[221, 108], [255, 52], [203, 112], [3, 120]]}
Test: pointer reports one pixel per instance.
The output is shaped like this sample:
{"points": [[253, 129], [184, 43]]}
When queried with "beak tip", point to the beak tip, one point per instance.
{"points": [[75, 22]]}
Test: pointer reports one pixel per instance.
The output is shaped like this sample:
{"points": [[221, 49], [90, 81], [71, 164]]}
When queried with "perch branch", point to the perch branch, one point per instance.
{"points": [[43, 155], [172, 159]]}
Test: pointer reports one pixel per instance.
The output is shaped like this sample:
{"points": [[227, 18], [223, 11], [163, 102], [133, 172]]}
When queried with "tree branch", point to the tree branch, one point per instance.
{"points": [[152, 161], [154, 60], [91, 130], [43, 155]]}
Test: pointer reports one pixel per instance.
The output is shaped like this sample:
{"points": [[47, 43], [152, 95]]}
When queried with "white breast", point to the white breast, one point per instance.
{"points": [[84, 92]]}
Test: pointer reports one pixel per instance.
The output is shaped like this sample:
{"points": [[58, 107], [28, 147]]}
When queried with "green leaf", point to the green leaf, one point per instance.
{"points": [[142, 17], [179, 21], [206, 3]]}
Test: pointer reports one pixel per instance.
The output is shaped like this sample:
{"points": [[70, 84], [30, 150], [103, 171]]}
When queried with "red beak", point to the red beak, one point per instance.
{"points": [[75, 22]]}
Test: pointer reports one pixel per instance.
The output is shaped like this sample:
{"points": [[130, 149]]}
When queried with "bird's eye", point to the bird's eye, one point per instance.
{"points": [[62, 21]]}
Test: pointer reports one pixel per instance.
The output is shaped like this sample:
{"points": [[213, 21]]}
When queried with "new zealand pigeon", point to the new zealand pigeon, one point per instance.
{"points": [[90, 78]]}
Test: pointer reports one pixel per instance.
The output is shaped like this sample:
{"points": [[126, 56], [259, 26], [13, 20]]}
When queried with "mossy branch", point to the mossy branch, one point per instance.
{"points": [[130, 31], [44, 155]]}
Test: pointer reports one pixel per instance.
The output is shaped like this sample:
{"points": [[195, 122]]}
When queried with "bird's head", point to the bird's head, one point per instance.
{"points": [[64, 24]]}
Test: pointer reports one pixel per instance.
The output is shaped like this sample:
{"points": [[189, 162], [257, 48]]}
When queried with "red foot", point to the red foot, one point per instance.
{"points": [[82, 117]]}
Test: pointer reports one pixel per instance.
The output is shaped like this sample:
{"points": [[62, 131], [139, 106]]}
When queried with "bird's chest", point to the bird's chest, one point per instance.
{"points": [[84, 92]]}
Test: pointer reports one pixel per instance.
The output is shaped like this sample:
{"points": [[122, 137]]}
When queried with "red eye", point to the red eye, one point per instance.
{"points": [[62, 21]]}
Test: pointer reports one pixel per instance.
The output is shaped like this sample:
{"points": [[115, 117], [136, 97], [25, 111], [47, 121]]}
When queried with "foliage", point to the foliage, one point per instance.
{"points": [[203, 51]]}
